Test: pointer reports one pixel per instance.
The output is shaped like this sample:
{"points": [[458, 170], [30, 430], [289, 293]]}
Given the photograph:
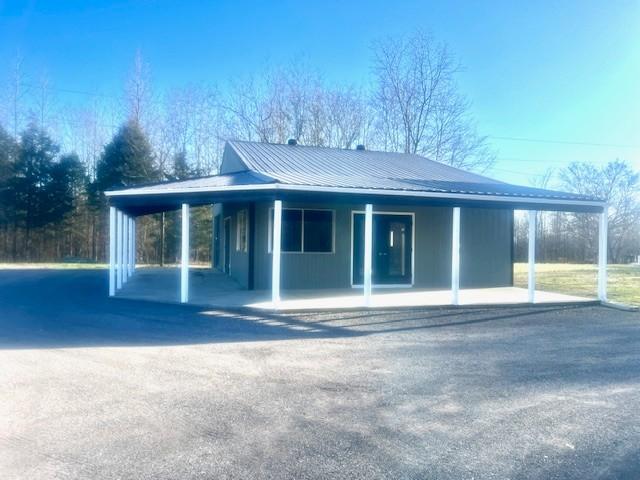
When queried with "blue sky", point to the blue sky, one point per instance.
{"points": [[566, 71]]}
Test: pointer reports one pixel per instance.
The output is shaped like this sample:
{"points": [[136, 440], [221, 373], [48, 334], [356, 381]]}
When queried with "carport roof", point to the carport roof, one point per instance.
{"points": [[265, 167]]}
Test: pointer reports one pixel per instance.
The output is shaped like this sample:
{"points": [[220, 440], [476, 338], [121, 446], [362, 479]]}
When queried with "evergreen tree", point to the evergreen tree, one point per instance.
{"points": [[8, 152], [181, 169], [30, 183], [67, 186], [127, 160]]}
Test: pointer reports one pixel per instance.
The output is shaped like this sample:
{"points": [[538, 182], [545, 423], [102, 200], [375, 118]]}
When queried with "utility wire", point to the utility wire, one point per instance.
{"points": [[562, 142], [547, 160], [68, 90]]}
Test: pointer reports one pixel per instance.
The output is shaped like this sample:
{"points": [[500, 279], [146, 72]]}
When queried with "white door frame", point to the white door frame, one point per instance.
{"points": [[413, 250]]}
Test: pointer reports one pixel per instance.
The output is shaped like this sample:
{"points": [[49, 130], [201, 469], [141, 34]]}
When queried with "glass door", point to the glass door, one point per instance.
{"points": [[392, 249]]}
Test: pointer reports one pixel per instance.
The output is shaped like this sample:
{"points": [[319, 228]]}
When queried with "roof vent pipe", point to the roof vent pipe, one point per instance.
{"points": [[292, 141], [360, 147]]}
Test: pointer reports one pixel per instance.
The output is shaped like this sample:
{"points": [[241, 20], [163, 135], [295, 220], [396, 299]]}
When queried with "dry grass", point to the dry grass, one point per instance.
{"points": [[577, 279], [52, 266], [82, 266]]}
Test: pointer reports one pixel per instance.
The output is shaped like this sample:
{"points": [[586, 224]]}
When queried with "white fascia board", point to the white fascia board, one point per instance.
{"points": [[362, 191], [444, 195]]}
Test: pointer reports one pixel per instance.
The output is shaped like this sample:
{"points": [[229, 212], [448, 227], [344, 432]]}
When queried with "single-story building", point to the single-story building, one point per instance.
{"points": [[290, 217]]}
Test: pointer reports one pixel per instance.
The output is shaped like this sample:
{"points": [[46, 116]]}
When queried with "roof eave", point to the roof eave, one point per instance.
{"points": [[522, 199]]}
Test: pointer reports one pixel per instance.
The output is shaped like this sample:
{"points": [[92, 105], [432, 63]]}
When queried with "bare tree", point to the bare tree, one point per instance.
{"points": [[619, 185], [420, 109], [16, 92], [138, 90], [43, 102], [347, 117]]}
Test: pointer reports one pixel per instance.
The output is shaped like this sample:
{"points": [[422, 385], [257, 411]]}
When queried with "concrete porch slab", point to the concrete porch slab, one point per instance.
{"points": [[213, 289]]}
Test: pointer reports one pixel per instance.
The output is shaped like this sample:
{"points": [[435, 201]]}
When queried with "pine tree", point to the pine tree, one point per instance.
{"points": [[30, 183], [8, 152], [127, 160]]}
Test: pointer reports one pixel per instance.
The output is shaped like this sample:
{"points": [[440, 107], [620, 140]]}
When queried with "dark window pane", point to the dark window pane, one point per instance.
{"points": [[318, 230], [291, 230], [358, 249]]}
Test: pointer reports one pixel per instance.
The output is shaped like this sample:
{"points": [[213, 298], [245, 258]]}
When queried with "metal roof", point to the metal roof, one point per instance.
{"points": [[334, 167], [273, 167], [276, 159], [238, 179]]}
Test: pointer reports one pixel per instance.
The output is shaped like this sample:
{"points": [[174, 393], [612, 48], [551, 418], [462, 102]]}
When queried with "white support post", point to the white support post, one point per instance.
{"points": [[125, 248], [131, 251], [112, 251], [135, 246], [532, 256], [455, 258], [119, 242], [602, 255], [184, 266], [368, 254], [275, 253]]}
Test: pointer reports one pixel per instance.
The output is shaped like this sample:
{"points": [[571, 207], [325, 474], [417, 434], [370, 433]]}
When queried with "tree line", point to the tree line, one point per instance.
{"points": [[56, 160]]}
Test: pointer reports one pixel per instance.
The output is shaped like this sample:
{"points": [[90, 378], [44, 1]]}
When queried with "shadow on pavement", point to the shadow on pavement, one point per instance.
{"points": [[57, 309]]}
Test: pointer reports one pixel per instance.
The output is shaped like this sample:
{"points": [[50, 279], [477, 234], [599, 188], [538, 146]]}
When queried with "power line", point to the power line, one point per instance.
{"points": [[68, 90], [561, 142], [545, 160], [524, 174]]}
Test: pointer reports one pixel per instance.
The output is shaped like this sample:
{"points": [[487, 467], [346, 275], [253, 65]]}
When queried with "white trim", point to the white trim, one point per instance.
{"points": [[413, 250], [602, 255], [365, 191], [275, 257], [455, 256], [184, 260], [112, 251], [302, 251], [531, 282]]}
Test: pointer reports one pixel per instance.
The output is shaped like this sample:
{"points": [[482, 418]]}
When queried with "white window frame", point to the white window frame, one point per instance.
{"points": [[245, 215], [413, 250], [302, 251]]}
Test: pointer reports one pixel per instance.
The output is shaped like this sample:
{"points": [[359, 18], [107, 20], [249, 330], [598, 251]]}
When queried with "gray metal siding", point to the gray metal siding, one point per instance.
{"points": [[231, 161], [485, 249], [239, 261]]}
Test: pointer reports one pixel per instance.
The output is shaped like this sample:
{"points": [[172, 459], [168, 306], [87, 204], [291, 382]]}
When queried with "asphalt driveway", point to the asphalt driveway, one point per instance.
{"points": [[105, 389]]}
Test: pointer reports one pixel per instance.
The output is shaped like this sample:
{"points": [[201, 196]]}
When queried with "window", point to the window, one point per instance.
{"points": [[318, 230], [241, 231], [291, 230], [305, 231]]}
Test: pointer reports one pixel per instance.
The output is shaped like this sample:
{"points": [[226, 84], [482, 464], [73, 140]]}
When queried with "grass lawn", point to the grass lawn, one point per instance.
{"points": [[577, 279], [52, 265], [81, 266]]}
